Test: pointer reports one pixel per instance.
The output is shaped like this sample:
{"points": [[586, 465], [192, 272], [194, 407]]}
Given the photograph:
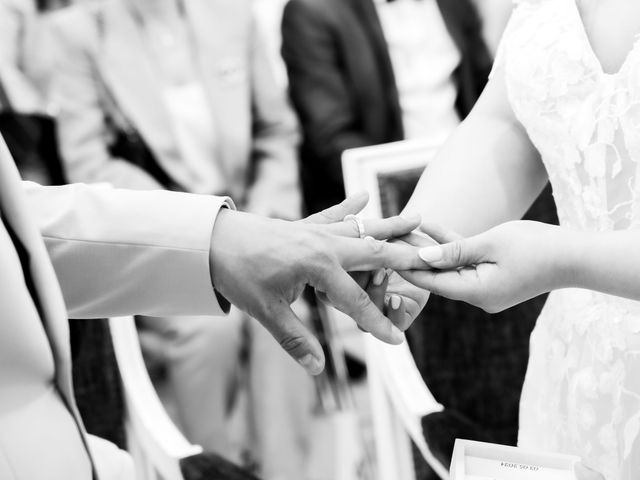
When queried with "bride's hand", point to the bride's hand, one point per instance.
{"points": [[497, 269]]}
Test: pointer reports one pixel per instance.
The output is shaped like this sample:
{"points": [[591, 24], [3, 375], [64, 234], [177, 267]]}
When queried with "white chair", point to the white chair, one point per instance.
{"points": [[399, 396], [155, 443]]}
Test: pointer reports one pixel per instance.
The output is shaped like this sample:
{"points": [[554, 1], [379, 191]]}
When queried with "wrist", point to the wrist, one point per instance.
{"points": [[219, 235], [570, 248]]}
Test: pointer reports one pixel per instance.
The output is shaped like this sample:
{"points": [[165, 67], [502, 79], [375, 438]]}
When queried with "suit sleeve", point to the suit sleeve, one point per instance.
{"points": [[82, 130], [275, 190], [318, 88], [123, 252]]}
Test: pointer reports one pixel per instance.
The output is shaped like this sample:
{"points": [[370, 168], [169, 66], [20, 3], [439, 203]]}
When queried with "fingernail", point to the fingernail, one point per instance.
{"points": [[311, 364], [378, 278], [395, 302], [431, 254]]}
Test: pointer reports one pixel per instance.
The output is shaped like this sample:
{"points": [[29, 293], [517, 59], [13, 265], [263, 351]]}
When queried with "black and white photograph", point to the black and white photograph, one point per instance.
{"points": [[319, 240]]}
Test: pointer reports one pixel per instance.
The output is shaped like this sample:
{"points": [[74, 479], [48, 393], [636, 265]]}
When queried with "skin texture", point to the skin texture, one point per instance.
{"points": [[262, 265]]}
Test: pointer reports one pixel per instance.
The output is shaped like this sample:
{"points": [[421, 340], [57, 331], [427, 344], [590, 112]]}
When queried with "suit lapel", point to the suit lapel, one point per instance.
{"points": [[45, 283], [453, 20], [366, 12], [130, 75]]}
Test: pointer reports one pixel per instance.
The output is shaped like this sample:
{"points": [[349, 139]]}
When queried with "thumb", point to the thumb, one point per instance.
{"points": [[294, 337], [460, 253]]}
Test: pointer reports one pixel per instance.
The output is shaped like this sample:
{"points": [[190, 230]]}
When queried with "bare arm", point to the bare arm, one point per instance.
{"points": [[487, 173]]}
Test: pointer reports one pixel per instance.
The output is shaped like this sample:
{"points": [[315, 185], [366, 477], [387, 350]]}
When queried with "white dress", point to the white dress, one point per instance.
{"points": [[582, 389]]}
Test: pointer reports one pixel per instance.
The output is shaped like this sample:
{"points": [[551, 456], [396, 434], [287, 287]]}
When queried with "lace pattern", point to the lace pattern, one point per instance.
{"points": [[582, 391]]}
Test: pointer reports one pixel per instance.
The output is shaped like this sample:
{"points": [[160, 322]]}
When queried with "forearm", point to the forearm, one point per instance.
{"points": [[487, 173], [607, 262]]}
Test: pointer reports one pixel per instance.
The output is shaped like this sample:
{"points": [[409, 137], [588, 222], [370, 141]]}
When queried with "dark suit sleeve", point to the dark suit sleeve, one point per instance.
{"points": [[318, 87]]}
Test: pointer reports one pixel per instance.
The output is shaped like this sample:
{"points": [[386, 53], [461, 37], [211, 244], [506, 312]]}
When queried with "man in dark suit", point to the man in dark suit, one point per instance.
{"points": [[366, 72], [348, 81]]}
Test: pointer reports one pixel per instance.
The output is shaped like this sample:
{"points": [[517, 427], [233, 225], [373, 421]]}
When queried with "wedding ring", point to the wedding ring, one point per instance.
{"points": [[359, 224]]}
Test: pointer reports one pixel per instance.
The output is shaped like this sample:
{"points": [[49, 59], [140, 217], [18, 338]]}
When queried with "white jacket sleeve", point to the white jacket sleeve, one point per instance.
{"points": [[122, 252]]}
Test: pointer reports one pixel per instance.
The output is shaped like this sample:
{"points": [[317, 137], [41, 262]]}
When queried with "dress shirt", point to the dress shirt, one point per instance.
{"points": [[195, 132], [424, 58]]}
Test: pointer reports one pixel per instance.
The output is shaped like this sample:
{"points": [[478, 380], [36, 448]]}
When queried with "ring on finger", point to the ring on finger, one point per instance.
{"points": [[359, 224]]}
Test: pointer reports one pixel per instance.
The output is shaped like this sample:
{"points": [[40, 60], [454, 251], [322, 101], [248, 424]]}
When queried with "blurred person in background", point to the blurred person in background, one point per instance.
{"points": [[367, 72], [180, 95], [25, 52]]}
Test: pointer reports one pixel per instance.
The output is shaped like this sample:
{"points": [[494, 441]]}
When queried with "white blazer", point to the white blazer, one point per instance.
{"points": [[92, 252]]}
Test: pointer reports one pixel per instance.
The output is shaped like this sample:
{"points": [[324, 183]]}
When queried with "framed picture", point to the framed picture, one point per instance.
{"points": [[388, 172]]}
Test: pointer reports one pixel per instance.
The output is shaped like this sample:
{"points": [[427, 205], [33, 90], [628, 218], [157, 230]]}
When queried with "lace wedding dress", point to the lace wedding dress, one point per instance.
{"points": [[582, 389]]}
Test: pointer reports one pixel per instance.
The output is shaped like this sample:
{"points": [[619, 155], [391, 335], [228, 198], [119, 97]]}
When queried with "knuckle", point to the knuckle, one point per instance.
{"points": [[376, 247], [295, 345], [359, 303], [327, 216], [456, 252]]}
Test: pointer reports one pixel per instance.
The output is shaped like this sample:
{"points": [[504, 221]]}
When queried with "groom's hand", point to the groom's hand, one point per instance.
{"points": [[262, 265]]}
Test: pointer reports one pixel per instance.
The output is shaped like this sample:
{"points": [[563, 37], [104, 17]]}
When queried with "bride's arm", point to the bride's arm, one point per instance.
{"points": [[516, 261], [487, 173]]}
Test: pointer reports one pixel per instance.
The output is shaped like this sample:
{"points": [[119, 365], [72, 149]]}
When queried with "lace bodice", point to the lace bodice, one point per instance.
{"points": [[584, 122], [582, 391]]}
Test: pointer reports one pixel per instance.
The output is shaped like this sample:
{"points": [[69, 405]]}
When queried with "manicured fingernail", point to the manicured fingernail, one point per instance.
{"points": [[378, 278], [395, 302], [431, 254], [311, 364]]}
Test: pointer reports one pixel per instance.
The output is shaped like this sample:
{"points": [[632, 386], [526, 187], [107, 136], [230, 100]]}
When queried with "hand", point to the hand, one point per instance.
{"points": [[261, 265], [398, 299], [497, 269], [585, 473]]}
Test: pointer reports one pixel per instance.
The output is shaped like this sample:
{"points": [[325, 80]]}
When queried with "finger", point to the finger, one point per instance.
{"points": [[454, 284], [363, 279], [351, 206], [440, 233], [396, 312], [379, 228], [377, 288], [345, 294], [459, 253], [293, 336], [417, 239], [368, 254], [585, 473]]}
